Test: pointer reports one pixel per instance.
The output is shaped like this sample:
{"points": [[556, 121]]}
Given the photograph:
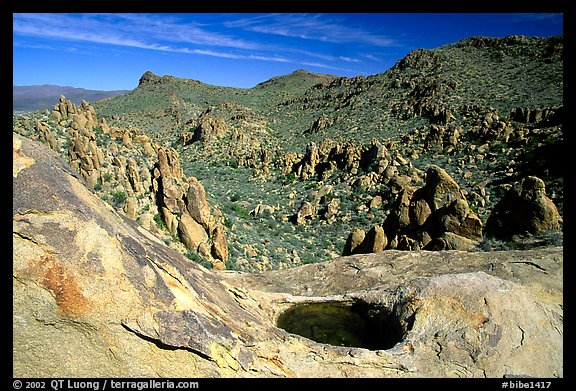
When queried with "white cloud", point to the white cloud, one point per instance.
{"points": [[142, 31], [311, 27], [187, 35]]}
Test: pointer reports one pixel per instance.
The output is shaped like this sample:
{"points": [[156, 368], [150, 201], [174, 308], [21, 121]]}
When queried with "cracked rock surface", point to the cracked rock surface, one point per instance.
{"points": [[96, 295]]}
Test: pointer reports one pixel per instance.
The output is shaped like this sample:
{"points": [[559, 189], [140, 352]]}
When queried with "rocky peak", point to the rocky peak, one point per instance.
{"points": [[150, 78]]}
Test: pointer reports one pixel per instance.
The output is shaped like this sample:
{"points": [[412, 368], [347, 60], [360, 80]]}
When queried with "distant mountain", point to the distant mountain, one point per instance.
{"points": [[38, 97]]}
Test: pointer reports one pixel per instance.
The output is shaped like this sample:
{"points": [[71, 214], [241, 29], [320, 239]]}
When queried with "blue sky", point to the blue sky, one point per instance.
{"points": [[111, 51]]}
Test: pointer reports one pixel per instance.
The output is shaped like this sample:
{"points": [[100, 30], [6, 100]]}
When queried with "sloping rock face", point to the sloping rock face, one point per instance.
{"points": [[95, 294]]}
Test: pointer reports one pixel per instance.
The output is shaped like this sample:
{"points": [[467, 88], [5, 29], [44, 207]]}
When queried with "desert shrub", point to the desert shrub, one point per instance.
{"points": [[118, 197], [159, 222], [197, 258], [491, 244], [553, 238], [240, 211]]}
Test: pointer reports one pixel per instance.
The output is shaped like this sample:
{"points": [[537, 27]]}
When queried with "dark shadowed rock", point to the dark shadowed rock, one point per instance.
{"points": [[524, 209], [354, 241]]}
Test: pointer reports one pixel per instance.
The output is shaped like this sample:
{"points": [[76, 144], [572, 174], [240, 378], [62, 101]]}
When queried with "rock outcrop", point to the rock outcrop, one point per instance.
{"points": [[433, 217], [321, 160], [209, 128], [524, 209], [96, 295], [135, 175], [83, 117], [437, 208], [185, 209]]}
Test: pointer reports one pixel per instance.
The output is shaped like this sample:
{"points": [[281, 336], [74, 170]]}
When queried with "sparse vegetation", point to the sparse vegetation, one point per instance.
{"points": [[119, 197]]}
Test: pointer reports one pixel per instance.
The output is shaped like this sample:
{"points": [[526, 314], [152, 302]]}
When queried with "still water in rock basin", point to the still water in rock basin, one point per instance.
{"points": [[342, 324]]}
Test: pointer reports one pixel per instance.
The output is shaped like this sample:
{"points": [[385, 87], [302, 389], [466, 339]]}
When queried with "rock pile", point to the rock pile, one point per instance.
{"points": [[207, 128], [321, 160], [433, 217], [135, 175], [185, 211], [319, 205], [524, 210], [83, 117]]}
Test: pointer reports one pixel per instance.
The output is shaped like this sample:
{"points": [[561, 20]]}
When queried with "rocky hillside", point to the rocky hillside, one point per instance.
{"points": [[305, 167], [134, 175]]}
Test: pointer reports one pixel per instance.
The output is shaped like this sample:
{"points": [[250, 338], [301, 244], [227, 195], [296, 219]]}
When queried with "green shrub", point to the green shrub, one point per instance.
{"points": [[159, 222], [553, 238], [240, 211], [197, 258], [118, 197], [491, 244]]}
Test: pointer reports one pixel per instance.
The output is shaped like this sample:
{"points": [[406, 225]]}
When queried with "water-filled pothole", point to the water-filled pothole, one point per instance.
{"points": [[357, 324]]}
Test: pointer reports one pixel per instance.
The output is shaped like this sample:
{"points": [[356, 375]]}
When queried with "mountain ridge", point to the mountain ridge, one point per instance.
{"points": [[40, 96]]}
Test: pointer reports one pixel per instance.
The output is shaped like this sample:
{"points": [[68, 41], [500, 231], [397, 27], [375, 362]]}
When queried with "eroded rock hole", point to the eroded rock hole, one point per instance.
{"points": [[357, 324]]}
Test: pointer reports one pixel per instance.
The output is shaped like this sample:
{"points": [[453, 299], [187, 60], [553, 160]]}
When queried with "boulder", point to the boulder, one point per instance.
{"points": [[134, 175], [196, 203], [375, 202], [459, 219], [375, 240], [440, 189], [450, 241], [130, 207], [320, 195], [170, 220], [419, 211], [332, 209], [306, 212], [524, 209], [191, 233], [354, 241], [439, 207], [262, 210], [219, 244]]}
